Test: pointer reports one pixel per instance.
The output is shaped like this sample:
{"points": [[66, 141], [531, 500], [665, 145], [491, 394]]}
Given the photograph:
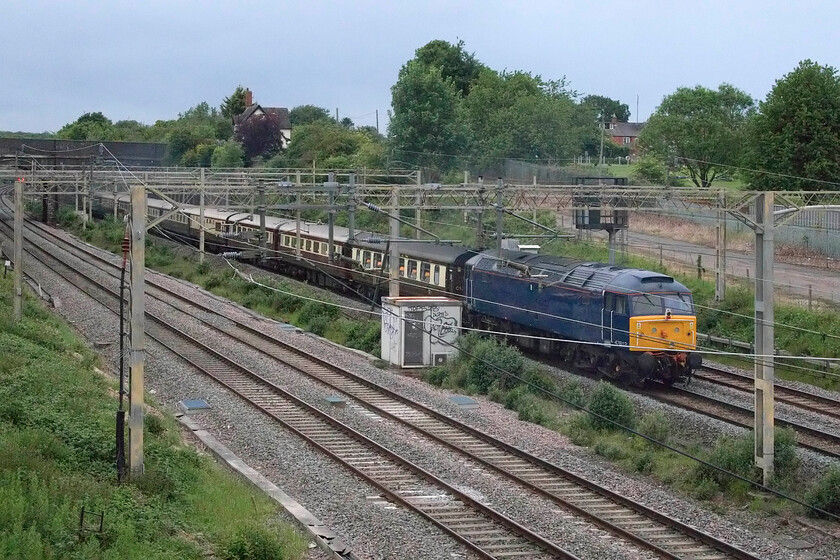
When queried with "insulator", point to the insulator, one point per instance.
{"points": [[231, 254], [373, 207], [230, 235]]}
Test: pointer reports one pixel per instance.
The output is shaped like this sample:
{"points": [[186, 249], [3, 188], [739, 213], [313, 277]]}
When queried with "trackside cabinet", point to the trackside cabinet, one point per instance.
{"points": [[419, 331]]}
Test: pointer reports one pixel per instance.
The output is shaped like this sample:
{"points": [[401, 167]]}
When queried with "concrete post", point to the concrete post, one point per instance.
{"points": [[201, 218], [138, 325], [331, 218], [297, 213], [394, 256], [351, 208], [18, 250], [417, 210], [500, 214], [261, 210], [764, 336], [611, 244], [720, 249]]}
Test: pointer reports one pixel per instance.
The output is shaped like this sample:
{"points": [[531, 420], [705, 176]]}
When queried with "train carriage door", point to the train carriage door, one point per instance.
{"points": [[607, 317]]}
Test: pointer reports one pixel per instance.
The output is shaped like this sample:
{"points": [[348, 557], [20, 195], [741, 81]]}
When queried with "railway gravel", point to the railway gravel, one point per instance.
{"points": [[371, 526]]}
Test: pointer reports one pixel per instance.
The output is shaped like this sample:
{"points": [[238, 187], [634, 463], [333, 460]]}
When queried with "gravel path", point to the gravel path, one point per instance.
{"points": [[350, 507]]}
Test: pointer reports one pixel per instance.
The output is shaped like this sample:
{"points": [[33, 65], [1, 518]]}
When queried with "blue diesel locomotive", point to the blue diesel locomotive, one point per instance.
{"points": [[627, 324]]}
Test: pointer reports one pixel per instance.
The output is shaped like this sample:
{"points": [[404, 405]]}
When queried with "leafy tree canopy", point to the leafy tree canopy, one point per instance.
{"points": [[702, 128], [796, 134], [234, 105], [604, 108], [308, 114], [425, 128], [327, 144], [229, 154], [453, 61], [260, 135], [90, 126]]}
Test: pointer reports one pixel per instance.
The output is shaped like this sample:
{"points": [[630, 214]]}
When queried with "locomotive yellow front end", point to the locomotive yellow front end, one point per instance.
{"points": [[665, 342]]}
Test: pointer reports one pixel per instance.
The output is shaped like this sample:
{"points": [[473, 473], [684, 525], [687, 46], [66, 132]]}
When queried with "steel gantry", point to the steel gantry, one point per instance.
{"points": [[392, 193]]}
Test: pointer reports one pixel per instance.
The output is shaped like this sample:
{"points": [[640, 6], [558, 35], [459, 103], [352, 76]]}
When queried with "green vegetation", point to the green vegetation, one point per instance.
{"points": [[282, 300], [486, 366], [57, 457]]}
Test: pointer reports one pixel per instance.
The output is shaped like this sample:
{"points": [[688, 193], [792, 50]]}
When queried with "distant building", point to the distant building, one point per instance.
{"points": [[624, 134], [252, 109]]}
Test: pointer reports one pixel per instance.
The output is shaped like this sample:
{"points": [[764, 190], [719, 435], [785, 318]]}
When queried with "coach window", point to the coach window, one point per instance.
{"points": [[436, 277], [378, 257], [308, 245], [425, 271], [402, 267], [412, 269], [366, 260]]}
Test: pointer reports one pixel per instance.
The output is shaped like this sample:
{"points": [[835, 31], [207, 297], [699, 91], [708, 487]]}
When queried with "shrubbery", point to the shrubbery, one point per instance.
{"points": [[610, 403]]}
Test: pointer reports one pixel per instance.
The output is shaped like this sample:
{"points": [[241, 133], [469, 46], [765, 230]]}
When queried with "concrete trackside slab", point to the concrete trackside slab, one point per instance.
{"points": [[323, 536]]}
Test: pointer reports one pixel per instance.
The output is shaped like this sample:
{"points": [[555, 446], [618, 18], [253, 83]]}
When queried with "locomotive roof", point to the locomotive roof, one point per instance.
{"points": [[587, 275]]}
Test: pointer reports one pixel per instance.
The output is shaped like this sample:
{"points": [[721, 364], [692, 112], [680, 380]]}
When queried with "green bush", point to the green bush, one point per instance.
{"points": [[655, 425], [610, 450], [733, 454], [154, 424], [319, 325], [580, 431], [312, 309], [256, 542], [437, 375], [364, 336], [644, 463], [610, 404], [572, 393], [203, 267], [491, 361], [825, 495], [786, 460]]}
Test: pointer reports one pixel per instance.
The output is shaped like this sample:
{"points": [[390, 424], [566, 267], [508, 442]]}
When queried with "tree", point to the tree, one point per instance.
{"points": [[795, 137], [229, 154], [454, 63], [604, 108], [260, 135], [425, 128], [308, 114], [704, 129], [234, 105], [90, 126]]}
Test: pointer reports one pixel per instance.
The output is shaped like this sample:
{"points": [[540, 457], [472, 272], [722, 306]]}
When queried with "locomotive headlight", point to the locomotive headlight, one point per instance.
{"points": [[676, 330]]}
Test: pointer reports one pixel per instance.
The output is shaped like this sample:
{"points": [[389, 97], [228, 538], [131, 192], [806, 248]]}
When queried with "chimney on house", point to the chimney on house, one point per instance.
{"points": [[249, 100]]}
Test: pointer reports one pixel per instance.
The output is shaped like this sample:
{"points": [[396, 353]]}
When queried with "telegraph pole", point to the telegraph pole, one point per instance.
{"points": [[500, 213], [261, 210], [764, 335], [351, 209], [201, 218], [138, 325], [18, 304], [394, 256], [331, 213]]}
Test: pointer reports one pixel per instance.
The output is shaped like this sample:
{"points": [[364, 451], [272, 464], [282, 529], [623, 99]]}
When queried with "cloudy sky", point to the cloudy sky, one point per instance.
{"points": [[150, 60]]}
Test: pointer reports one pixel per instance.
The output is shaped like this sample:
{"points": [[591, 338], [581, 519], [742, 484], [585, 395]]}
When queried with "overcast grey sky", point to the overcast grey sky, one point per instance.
{"points": [[150, 60]]}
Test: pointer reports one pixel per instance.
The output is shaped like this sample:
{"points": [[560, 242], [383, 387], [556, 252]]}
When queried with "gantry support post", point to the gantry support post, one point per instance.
{"points": [[417, 204], [764, 336], [720, 248], [261, 210], [611, 244], [18, 250], [201, 217], [297, 215], [331, 216], [479, 233], [138, 324], [500, 214], [394, 253], [351, 207]]}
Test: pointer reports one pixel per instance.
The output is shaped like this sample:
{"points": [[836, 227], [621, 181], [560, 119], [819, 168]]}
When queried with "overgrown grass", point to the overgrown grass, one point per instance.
{"points": [[57, 457], [284, 301], [536, 397]]}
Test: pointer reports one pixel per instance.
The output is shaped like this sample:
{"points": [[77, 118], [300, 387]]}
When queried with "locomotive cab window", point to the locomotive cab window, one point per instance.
{"points": [[616, 303]]}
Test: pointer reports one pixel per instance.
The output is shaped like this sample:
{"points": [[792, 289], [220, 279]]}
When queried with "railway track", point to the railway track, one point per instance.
{"points": [[483, 530], [612, 512], [793, 397]]}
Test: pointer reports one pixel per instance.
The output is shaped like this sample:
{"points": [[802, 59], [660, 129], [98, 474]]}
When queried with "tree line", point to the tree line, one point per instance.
{"points": [[450, 113]]}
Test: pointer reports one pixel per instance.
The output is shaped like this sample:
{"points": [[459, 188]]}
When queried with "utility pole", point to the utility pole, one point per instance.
{"points": [[601, 154], [18, 304], [351, 208], [261, 210], [201, 218], [500, 214], [720, 248], [138, 325], [394, 253], [764, 335], [331, 214], [377, 121], [417, 210]]}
